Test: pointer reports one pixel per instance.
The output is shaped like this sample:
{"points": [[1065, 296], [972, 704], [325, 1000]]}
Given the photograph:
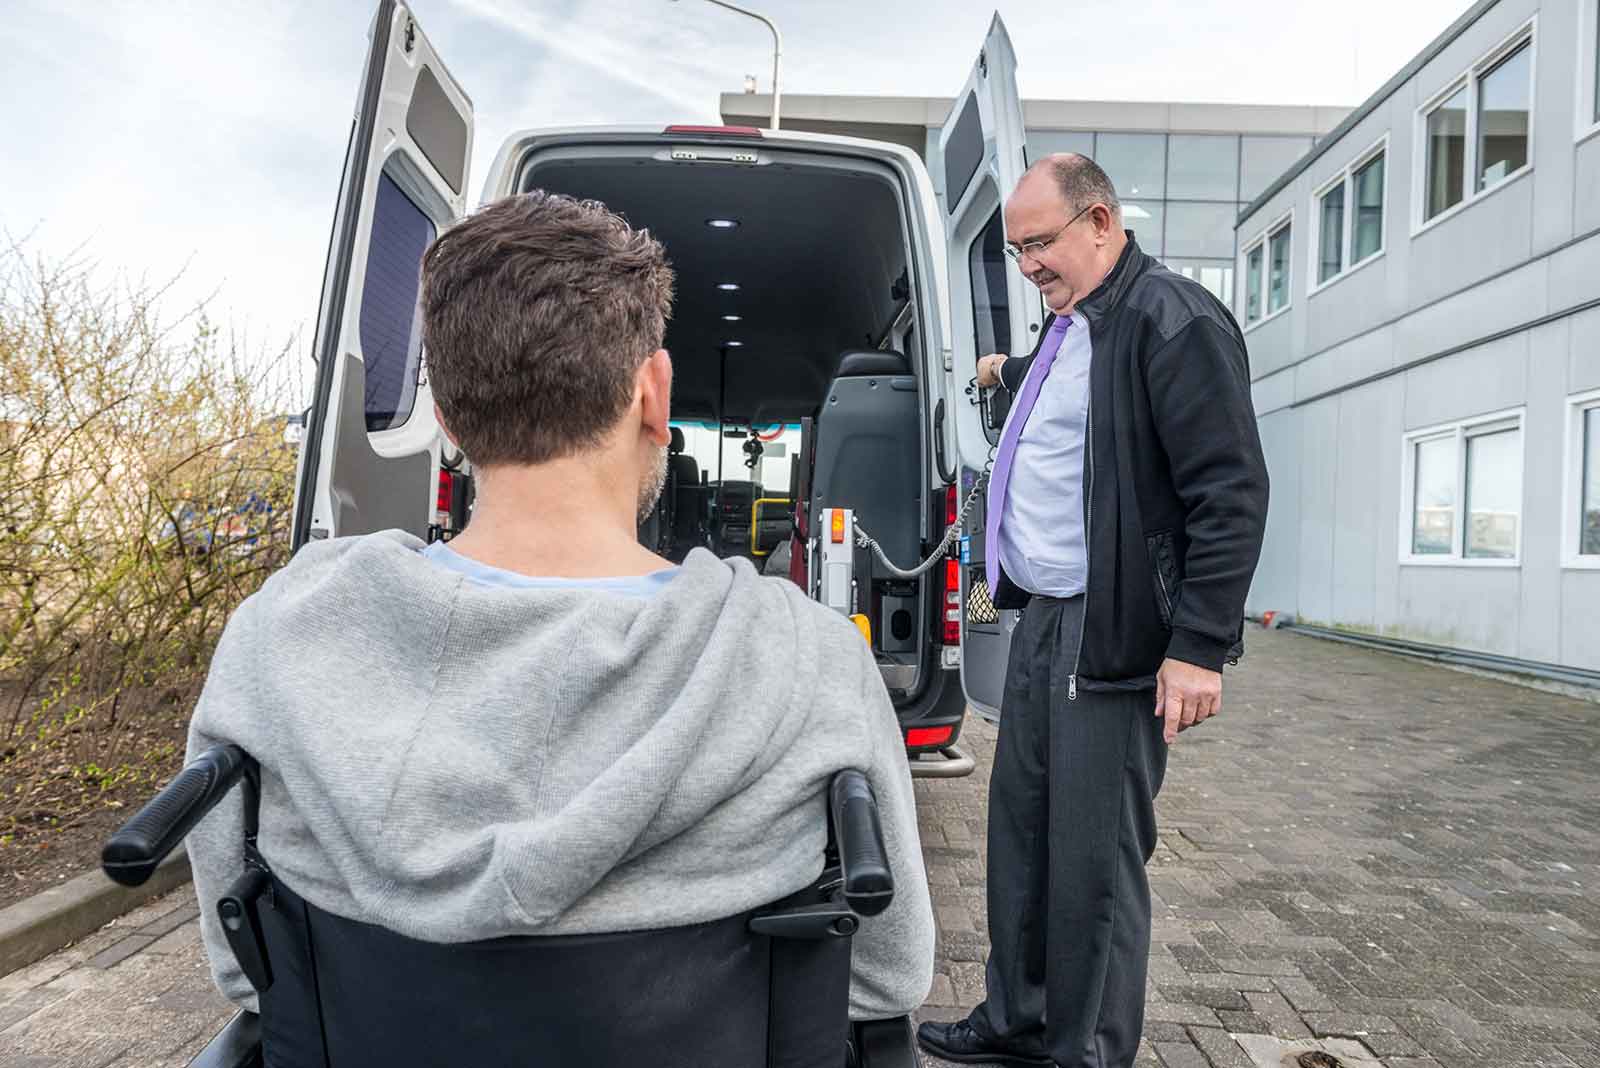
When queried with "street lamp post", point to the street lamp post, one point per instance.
{"points": [[777, 50]]}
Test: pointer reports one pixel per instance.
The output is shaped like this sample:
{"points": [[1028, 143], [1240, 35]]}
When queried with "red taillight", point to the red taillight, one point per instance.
{"points": [[952, 602], [446, 490], [715, 131], [952, 578], [917, 737]]}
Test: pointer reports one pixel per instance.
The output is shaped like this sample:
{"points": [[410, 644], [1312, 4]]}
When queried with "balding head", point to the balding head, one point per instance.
{"points": [[1077, 178], [1066, 203]]}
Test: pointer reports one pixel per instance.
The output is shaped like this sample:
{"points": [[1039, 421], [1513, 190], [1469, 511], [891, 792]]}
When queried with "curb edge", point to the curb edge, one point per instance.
{"points": [[53, 919]]}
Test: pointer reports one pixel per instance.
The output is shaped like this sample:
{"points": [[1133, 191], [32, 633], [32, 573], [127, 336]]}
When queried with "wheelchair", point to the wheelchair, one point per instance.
{"points": [[765, 989]]}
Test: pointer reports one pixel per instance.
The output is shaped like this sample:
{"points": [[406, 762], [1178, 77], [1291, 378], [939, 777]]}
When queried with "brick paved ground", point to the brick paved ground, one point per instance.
{"points": [[1362, 846]]}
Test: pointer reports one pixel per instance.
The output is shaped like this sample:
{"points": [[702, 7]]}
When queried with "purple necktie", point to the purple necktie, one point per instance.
{"points": [[1007, 448]]}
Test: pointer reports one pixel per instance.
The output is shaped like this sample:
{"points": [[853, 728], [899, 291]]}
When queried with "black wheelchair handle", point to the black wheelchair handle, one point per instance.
{"points": [[131, 854], [863, 860]]}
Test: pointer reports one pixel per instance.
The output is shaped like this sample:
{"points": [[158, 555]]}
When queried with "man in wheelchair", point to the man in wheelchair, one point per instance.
{"points": [[540, 728]]}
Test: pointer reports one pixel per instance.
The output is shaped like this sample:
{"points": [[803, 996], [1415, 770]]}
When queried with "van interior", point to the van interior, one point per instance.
{"points": [[792, 306]]}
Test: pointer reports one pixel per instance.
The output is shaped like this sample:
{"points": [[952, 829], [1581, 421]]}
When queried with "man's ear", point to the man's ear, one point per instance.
{"points": [[1105, 223], [654, 386]]}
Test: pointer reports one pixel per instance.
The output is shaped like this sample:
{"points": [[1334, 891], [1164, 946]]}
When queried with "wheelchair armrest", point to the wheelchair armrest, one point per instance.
{"points": [[237, 1045], [132, 853], [887, 1043], [863, 859]]}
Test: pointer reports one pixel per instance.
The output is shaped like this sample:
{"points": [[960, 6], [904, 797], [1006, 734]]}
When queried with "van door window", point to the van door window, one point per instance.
{"points": [[986, 266], [991, 311], [391, 334]]}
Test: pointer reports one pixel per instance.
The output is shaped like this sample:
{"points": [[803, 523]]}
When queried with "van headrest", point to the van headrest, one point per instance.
{"points": [[676, 444], [858, 362]]}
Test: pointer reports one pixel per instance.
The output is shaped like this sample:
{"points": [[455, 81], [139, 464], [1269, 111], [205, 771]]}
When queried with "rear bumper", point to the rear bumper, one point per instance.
{"points": [[941, 705]]}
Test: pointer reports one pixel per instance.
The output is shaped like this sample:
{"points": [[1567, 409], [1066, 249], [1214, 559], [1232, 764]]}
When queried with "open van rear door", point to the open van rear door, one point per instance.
{"points": [[992, 309], [371, 455]]}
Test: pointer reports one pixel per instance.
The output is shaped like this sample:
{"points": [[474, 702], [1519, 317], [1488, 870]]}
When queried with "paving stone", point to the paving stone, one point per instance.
{"points": [[1220, 1048], [1347, 1024], [1212, 997], [943, 991], [121, 951], [171, 921], [1180, 1055]]}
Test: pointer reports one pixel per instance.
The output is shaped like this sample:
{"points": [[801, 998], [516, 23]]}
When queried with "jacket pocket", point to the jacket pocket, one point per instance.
{"points": [[1163, 572]]}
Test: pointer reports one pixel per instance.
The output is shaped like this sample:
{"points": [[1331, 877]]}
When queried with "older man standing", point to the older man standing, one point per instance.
{"points": [[1125, 511]]}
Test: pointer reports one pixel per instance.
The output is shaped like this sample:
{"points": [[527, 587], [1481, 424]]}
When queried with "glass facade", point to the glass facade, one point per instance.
{"points": [[1135, 162], [1182, 193], [1202, 167], [1199, 229], [1263, 159]]}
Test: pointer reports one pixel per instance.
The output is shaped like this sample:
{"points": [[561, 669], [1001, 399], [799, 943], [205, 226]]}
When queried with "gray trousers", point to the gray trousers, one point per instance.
{"points": [[1071, 827]]}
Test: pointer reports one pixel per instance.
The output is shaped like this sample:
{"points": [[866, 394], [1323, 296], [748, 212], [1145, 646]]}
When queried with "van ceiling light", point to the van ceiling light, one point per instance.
{"points": [[728, 287], [734, 344], [731, 318], [723, 224]]}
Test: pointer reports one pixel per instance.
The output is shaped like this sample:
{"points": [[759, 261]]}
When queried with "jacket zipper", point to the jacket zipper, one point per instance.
{"points": [[1088, 518], [1166, 598]]}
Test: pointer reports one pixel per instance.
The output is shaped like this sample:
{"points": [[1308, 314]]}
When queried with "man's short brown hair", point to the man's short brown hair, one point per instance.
{"points": [[537, 312]]}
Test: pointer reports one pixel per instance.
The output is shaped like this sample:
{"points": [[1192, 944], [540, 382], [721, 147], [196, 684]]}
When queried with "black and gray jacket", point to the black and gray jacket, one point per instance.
{"points": [[1176, 485]]}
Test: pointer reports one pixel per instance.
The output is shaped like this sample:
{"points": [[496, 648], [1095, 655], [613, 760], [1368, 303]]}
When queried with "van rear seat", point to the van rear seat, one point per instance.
{"points": [[687, 509], [867, 457]]}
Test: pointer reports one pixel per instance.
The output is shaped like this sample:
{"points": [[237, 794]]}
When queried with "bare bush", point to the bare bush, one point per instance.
{"points": [[147, 487]]}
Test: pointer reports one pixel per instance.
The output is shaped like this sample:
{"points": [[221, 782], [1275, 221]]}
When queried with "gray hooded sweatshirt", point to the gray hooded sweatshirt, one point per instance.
{"points": [[459, 761]]}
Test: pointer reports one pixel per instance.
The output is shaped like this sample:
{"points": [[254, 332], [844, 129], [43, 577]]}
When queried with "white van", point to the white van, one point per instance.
{"points": [[814, 286]]}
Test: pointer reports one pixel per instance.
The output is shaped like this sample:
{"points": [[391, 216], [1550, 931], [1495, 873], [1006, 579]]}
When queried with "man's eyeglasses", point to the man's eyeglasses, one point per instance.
{"points": [[1033, 248]]}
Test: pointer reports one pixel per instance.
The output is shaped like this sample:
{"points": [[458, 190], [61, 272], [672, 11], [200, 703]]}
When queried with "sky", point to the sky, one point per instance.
{"points": [[204, 139]]}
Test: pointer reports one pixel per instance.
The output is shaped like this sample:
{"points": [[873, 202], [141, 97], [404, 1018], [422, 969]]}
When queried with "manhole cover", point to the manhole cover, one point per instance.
{"points": [[1318, 1059]]}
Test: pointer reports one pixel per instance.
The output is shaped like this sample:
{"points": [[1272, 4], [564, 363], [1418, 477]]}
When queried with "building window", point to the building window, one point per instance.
{"points": [[1350, 217], [1494, 493], [1581, 538], [1147, 219], [1366, 228], [1330, 236], [1433, 502], [1505, 94], [1203, 167], [1447, 152], [1278, 269], [1215, 274], [1203, 231], [1262, 161], [1042, 143], [1267, 272], [1252, 284], [1463, 486], [1479, 130], [1135, 162]]}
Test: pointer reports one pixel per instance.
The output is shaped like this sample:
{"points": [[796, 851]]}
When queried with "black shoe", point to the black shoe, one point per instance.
{"points": [[959, 1042]]}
